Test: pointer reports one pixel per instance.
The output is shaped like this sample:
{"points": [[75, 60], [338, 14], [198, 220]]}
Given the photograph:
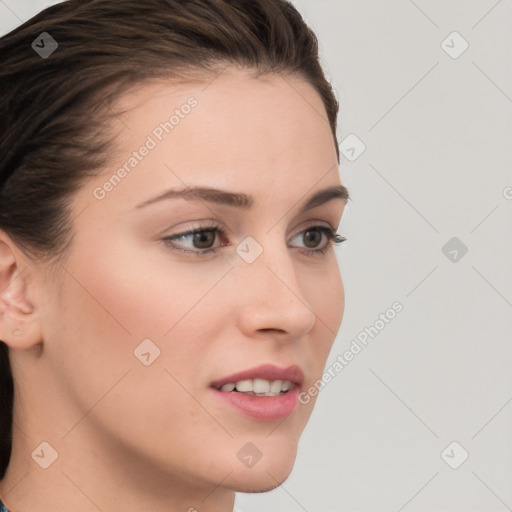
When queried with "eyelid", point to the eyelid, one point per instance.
{"points": [[316, 223], [211, 225]]}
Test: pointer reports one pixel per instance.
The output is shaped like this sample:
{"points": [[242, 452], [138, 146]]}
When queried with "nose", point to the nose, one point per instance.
{"points": [[272, 300]]}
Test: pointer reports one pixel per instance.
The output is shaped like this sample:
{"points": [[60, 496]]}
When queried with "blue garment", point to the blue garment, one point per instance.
{"points": [[3, 508]]}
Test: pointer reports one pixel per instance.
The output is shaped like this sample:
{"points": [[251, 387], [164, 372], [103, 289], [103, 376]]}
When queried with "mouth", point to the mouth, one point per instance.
{"points": [[258, 387], [264, 380], [264, 393]]}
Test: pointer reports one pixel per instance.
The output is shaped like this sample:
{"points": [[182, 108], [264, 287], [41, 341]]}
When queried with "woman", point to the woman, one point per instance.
{"points": [[168, 205]]}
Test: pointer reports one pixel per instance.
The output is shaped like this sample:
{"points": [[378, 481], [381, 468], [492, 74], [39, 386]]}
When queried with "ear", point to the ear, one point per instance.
{"points": [[19, 322]]}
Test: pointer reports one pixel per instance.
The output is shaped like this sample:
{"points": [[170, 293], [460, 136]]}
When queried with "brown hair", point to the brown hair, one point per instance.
{"points": [[55, 115]]}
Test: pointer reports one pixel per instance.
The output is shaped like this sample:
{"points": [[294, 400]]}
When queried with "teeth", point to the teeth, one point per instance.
{"points": [[259, 387], [276, 386], [244, 385]]}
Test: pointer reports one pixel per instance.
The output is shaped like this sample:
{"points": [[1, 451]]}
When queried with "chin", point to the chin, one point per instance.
{"points": [[257, 482], [264, 476]]}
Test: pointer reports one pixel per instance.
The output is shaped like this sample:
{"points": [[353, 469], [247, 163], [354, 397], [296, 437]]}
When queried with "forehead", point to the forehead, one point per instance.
{"points": [[229, 131], [233, 108]]}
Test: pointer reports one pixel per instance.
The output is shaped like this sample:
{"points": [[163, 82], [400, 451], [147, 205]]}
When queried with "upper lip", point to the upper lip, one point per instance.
{"points": [[266, 371]]}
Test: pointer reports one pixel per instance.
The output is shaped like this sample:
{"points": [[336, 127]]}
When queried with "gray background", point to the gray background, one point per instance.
{"points": [[438, 135]]}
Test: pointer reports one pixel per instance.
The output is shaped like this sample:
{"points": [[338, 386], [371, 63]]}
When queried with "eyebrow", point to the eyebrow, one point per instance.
{"points": [[244, 201]]}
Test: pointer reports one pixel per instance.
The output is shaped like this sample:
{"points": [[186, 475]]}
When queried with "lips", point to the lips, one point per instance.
{"points": [[267, 371]]}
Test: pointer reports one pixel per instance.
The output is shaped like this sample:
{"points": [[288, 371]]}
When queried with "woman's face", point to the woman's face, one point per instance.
{"points": [[138, 331]]}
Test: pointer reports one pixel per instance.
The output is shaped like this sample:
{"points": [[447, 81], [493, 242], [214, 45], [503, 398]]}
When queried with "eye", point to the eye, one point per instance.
{"points": [[314, 235], [204, 236], [201, 237]]}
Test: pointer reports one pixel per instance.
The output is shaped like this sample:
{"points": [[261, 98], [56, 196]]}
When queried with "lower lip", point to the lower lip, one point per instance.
{"points": [[265, 408]]}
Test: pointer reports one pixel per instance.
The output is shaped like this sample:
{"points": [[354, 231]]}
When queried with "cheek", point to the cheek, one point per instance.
{"points": [[326, 296], [107, 312], [327, 299], [145, 294], [102, 315]]}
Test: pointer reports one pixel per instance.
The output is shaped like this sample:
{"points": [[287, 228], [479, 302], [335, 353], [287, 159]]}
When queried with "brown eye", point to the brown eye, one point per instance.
{"points": [[313, 237], [203, 239]]}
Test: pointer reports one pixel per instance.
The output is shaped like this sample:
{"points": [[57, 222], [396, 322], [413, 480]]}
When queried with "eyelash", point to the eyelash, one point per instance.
{"points": [[332, 237]]}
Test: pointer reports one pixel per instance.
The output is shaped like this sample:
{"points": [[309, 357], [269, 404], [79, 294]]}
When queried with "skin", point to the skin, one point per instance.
{"points": [[129, 435]]}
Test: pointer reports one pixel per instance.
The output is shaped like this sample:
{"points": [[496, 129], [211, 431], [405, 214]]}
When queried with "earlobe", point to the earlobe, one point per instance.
{"points": [[19, 325]]}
